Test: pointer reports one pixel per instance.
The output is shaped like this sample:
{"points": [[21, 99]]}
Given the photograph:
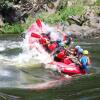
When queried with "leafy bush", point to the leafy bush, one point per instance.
{"points": [[15, 28], [6, 3], [61, 15], [97, 3]]}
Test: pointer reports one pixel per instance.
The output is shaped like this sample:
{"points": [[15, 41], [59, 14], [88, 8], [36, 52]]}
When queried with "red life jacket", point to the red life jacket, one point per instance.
{"points": [[61, 54], [65, 37], [67, 61], [52, 46], [42, 41]]}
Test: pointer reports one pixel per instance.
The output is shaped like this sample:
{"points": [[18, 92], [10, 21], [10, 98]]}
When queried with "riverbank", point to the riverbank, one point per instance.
{"points": [[82, 19]]}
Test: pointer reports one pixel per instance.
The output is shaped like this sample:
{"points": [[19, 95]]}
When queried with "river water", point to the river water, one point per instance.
{"points": [[36, 83]]}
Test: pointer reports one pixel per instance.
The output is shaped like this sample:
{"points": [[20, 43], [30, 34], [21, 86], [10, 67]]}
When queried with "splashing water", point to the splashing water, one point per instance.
{"points": [[32, 51]]}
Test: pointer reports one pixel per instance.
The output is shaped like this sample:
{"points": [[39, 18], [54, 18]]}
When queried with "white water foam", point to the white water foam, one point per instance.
{"points": [[33, 52]]}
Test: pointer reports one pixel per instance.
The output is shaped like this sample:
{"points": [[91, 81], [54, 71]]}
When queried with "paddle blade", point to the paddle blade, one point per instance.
{"points": [[39, 23], [35, 35]]}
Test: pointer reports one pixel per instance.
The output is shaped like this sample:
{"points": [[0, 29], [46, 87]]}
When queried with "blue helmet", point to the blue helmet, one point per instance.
{"points": [[61, 44], [77, 47], [80, 50]]}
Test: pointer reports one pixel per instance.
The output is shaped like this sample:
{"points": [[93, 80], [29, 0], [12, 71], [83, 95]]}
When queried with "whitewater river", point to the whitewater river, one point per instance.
{"points": [[24, 82]]}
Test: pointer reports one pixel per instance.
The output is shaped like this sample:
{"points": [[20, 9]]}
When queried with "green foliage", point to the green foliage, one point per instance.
{"points": [[6, 3], [61, 15], [15, 28], [97, 10], [50, 18], [97, 3], [74, 10]]}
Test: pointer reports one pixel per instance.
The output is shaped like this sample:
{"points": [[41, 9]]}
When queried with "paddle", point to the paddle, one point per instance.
{"points": [[39, 23], [35, 35], [59, 30]]}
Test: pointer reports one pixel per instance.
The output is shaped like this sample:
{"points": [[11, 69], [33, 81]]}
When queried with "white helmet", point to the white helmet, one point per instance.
{"points": [[69, 33], [77, 47]]}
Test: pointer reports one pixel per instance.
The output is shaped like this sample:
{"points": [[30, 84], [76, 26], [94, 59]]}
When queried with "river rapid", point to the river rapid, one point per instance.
{"points": [[35, 83]]}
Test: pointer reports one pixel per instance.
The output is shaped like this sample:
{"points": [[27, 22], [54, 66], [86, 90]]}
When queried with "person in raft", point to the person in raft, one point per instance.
{"points": [[85, 61], [68, 40], [77, 51]]}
